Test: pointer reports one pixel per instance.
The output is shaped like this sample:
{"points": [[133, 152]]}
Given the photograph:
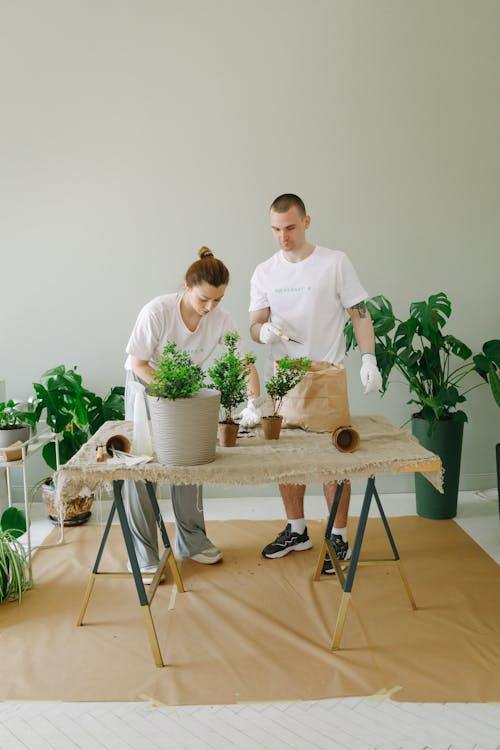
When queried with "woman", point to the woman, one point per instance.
{"points": [[196, 323]]}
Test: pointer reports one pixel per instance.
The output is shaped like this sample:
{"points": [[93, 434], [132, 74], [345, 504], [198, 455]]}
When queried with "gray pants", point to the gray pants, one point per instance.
{"points": [[187, 502]]}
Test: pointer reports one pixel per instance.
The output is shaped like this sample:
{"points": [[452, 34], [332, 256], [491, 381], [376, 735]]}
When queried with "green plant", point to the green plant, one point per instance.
{"points": [[13, 520], [73, 411], [428, 358], [229, 374], [13, 556], [11, 418], [177, 376], [289, 373]]}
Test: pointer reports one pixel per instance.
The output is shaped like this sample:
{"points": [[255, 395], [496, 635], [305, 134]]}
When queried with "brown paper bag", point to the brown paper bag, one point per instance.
{"points": [[319, 402]]}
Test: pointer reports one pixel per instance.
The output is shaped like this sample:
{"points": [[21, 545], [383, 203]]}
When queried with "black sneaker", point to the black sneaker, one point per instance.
{"points": [[287, 541], [343, 553]]}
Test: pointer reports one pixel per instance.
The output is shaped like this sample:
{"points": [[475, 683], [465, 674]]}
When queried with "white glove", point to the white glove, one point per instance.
{"points": [[370, 374], [250, 415], [270, 334]]}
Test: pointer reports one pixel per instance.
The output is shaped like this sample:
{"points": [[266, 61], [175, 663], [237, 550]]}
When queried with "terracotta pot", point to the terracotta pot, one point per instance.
{"points": [[227, 432], [346, 439], [271, 427]]}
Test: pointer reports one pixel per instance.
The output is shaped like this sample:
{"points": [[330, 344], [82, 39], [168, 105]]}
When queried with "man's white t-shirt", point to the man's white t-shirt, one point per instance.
{"points": [[308, 301], [160, 321]]}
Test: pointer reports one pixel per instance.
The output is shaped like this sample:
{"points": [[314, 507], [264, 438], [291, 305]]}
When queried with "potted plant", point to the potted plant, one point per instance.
{"points": [[14, 424], [288, 373], [13, 556], [184, 413], [229, 374], [74, 413], [436, 366]]}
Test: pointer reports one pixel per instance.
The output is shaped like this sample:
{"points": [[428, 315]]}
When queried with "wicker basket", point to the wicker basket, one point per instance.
{"points": [[76, 511]]}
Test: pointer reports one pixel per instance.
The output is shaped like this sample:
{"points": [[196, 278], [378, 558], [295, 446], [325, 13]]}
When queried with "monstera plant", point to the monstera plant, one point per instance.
{"points": [[440, 370], [74, 413]]}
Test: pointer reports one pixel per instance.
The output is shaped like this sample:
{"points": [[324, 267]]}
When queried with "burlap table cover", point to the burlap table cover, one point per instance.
{"points": [[297, 457]]}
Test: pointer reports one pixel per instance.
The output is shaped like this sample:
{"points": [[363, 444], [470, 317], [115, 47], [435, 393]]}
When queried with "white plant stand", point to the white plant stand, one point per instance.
{"points": [[29, 449]]}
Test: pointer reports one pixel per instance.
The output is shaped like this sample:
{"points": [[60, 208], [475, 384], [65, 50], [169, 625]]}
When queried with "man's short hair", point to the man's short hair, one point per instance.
{"points": [[284, 202]]}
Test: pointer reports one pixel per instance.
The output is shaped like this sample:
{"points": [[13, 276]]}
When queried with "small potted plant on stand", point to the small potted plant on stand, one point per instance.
{"points": [[74, 413], [288, 373], [184, 414], [229, 375], [14, 425], [424, 355]]}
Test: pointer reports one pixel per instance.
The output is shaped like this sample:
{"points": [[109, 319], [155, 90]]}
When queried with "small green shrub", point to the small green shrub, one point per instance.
{"points": [[288, 374], [229, 375], [177, 376]]}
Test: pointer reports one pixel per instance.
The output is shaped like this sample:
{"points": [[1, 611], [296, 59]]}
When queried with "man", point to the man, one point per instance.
{"points": [[303, 292]]}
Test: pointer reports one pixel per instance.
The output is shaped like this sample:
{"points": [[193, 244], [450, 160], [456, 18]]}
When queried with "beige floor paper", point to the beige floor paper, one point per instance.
{"points": [[252, 629]]}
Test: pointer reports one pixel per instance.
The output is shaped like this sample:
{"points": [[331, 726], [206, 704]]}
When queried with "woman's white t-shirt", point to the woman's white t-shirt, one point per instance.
{"points": [[160, 321], [308, 301]]}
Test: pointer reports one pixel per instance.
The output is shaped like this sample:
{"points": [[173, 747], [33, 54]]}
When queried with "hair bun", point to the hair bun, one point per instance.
{"points": [[205, 252]]}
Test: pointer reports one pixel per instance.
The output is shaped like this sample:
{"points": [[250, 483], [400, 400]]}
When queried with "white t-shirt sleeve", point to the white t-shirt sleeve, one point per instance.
{"points": [[146, 334], [351, 290], [258, 295]]}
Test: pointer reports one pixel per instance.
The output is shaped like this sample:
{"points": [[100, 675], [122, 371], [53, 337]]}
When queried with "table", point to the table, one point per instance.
{"points": [[297, 457]]}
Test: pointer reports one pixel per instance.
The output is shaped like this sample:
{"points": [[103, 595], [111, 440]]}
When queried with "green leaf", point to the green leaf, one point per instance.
{"points": [[14, 521], [385, 361], [494, 384], [432, 315], [491, 350], [458, 416], [457, 347], [403, 336], [482, 365], [382, 315], [49, 455]]}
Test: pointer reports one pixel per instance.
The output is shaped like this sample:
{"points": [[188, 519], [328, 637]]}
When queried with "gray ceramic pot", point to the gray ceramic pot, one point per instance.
{"points": [[185, 429], [7, 437]]}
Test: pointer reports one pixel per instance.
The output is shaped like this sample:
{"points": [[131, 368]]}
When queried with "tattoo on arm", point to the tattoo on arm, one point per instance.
{"points": [[361, 308]]}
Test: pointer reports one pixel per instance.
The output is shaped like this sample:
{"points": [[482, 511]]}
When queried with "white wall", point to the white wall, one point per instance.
{"points": [[134, 131]]}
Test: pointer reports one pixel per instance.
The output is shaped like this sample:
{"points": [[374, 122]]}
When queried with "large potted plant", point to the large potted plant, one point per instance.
{"points": [[74, 413], [288, 373], [184, 413], [437, 368], [14, 579], [229, 375]]}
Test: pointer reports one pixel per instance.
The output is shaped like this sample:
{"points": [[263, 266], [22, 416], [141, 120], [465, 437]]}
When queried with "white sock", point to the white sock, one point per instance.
{"points": [[342, 532], [298, 525]]}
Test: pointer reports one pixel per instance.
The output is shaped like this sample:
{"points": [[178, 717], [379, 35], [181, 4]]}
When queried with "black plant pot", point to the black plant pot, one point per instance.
{"points": [[446, 441]]}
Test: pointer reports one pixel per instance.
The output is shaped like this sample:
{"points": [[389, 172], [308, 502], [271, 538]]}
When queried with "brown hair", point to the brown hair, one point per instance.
{"points": [[284, 202], [208, 268]]}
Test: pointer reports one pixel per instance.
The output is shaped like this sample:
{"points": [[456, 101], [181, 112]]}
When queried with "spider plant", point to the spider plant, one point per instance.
{"points": [[13, 556]]}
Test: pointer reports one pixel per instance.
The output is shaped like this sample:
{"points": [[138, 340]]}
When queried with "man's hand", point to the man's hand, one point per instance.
{"points": [[370, 374], [270, 334]]}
